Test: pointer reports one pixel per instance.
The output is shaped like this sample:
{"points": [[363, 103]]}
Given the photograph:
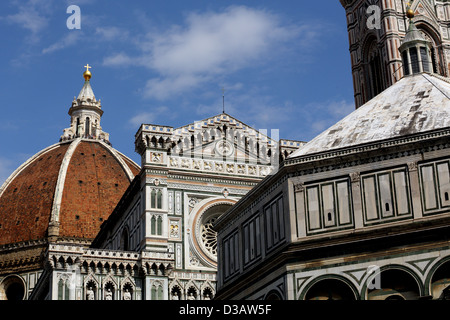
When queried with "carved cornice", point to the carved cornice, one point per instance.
{"points": [[375, 146], [60, 256]]}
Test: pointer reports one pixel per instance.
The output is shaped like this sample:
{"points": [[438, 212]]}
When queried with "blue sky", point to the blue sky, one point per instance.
{"points": [[284, 65]]}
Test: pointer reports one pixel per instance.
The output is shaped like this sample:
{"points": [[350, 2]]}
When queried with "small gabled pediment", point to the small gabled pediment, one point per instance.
{"points": [[423, 8]]}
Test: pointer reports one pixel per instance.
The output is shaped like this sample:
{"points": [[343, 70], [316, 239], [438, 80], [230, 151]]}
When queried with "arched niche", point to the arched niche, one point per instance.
{"points": [[330, 289], [394, 283]]}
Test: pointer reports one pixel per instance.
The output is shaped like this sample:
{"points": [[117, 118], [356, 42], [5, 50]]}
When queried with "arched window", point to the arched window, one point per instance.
{"points": [[157, 292], [414, 60], [159, 226], [374, 77], [77, 127], [156, 197], [87, 130], [153, 198], [153, 225], [159, 199], [63, 290], [437, 54]]}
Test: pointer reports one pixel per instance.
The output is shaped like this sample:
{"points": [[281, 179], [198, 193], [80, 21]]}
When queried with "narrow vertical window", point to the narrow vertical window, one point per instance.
{"points": [[281, 217], [258, 237], [370, 198], [77, 128], [160, 293], [343, 196], [159, 199], [429, 187], [226, 260], [236, 252], [154, 295], [405, 63], [328, 204], [252, 239], [313, 208], [246, 243], [153, 198], [153, 225], [159, 226], [414, 60], [87, 130], [268, 216], [385, 192], [425, 60], [401, 192], [443, 176], [275, 223]]}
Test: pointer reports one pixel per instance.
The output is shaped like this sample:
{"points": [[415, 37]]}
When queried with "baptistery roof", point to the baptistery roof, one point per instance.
{"points": [[415, 104]]}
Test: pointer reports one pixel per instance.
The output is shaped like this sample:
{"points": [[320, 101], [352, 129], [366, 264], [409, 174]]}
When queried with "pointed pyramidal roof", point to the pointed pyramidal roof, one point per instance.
{"points": [[86, 92], [416, 104]]}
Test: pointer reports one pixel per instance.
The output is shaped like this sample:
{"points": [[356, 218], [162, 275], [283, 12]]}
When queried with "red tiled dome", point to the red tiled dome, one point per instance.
{"points": [[74, 184]]}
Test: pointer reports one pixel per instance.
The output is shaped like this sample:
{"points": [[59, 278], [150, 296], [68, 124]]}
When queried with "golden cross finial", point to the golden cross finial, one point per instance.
{"points": [[87, 74]]}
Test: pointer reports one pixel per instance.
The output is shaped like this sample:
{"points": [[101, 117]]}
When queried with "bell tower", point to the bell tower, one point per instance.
{"points": [[376, 30]]}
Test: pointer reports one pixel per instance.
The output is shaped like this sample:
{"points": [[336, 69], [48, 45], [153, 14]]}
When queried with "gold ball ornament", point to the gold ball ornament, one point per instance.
{"points": [[410, 13], [87, 75]]}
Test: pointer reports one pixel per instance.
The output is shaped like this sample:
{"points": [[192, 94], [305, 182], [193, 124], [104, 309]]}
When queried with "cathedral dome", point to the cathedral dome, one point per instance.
{"points": [[66, 190]]}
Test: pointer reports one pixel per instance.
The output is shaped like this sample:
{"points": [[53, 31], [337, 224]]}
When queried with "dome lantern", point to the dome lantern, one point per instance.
{"points": [[415, 50]]}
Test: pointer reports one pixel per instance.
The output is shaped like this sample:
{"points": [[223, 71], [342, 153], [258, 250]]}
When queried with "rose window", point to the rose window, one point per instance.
{"points": [[209, 236], [204, 237]]}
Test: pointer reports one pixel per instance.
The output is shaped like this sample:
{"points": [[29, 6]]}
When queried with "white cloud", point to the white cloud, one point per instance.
{"points": [[32, 16], [119, 59], [70, 39], [110, 33], [147, 117], [319, 116], [249, 105], [207, 46]]}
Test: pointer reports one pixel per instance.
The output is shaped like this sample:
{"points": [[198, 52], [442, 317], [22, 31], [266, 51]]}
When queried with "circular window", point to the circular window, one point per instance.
{"points": [[204, 236], [224, 148], [209, 236]]}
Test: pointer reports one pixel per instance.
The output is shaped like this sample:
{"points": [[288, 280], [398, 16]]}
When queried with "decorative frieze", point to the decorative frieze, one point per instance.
{"points": [[221, 167]]}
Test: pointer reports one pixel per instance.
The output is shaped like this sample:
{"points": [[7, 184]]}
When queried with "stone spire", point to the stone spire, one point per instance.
{"points": [[415, 50], [85, 114]]}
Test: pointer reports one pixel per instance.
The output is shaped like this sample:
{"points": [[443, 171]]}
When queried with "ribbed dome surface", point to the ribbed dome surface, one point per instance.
{"points": [[75, 184]]}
